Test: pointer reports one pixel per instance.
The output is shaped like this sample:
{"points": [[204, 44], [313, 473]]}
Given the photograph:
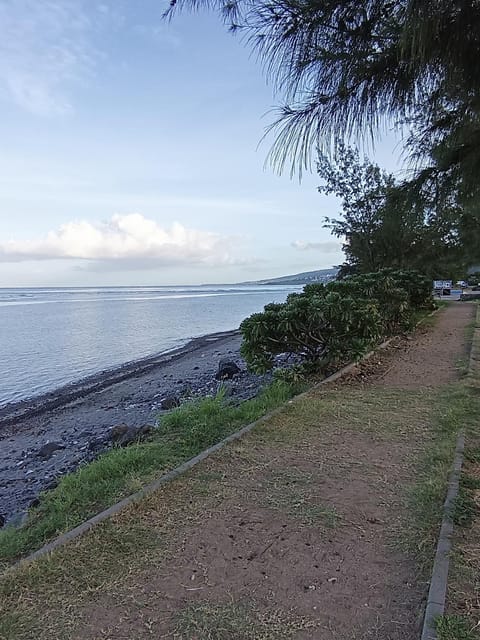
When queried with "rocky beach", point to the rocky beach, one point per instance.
{"points": [[46, 437]]}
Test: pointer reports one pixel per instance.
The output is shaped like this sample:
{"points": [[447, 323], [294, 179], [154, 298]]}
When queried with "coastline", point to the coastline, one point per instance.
{"points": [[12, 412], [79, 417]]}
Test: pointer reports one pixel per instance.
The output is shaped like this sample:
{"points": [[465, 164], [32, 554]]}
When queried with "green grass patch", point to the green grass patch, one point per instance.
{"points": [[472, 454], [469, 482], [16, 625], [182, 434], [456, 408], [237, 622], [199, 424], [464, 508], [455, 628]]}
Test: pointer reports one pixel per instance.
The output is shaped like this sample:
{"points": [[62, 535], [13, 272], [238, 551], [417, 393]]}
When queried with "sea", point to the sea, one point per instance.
{"points": [[51, 337]]}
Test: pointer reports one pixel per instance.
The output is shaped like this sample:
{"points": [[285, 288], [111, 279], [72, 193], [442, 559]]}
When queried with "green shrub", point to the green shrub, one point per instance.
{"points": [[417, 286], [328, 323], [321, 328]]}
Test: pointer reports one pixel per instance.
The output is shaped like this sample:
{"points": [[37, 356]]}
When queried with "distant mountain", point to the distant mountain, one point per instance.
{"points": [[322, 275]]}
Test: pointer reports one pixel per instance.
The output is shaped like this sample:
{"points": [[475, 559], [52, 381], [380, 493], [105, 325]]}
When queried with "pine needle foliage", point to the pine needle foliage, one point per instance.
{"points": [[346, 68]]}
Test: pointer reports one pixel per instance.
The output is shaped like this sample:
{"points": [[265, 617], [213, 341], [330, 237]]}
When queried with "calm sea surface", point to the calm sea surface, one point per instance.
{"points": [[51, 337]]}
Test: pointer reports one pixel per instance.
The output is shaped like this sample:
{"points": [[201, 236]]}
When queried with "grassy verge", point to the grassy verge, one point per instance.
{"points": [[455, 628], [456, 408], [462, 619], [181, 434]]}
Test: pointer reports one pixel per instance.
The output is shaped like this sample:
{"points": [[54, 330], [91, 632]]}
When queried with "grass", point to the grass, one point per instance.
{"points": [[181, 434], [463, 362], [456, 408], [455, 628], [464, 508], [236, 622], [462, 621]]}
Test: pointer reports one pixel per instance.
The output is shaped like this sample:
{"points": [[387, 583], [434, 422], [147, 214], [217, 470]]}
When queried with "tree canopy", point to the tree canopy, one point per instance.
{"points": [[383, 226], [345, 67]]}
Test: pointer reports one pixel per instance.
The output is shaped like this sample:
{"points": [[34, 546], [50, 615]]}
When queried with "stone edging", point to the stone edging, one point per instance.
{"points": [[438, 583], [189, 464], [437, 592]]}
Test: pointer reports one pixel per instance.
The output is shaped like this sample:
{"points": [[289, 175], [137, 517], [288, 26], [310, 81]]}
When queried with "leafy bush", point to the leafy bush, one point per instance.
{"points": [[321, 328], [382, 289], [327, 323], [417, 286]]}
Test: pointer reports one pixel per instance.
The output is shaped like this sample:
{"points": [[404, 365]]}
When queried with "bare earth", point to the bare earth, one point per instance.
{"points": [[289, 533], [431, 360]]}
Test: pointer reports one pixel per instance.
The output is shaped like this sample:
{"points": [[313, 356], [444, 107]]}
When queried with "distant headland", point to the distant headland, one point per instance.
{"points": [[321, 275]]}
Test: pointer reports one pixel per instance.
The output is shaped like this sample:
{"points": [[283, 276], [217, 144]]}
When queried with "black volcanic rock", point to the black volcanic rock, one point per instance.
{"points": [[48, 449], [226, 369], [170, 402]]}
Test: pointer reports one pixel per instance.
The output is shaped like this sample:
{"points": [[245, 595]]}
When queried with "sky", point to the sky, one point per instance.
{"points": [[130, 153]]}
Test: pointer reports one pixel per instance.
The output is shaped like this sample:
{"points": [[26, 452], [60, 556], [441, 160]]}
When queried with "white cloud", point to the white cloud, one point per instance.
{"points": [[125, 241], [324, 247]]}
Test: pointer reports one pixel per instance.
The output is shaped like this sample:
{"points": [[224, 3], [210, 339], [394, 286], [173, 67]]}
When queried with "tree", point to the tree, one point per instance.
{"points": [[382, 226], [347, 66]]}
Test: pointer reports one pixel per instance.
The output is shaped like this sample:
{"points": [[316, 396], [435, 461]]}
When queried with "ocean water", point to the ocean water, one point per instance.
{"points": [[52, 337]]}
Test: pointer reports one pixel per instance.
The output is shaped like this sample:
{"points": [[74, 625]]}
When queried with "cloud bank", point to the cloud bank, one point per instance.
{"points": [[130, 241], [324, 247]]}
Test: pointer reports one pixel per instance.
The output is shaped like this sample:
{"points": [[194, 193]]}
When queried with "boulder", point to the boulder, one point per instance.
{"points": [[123, 434], [226, 369], [52, 484], [34, 503], [170, 402], [97, 443], [48, 449]]}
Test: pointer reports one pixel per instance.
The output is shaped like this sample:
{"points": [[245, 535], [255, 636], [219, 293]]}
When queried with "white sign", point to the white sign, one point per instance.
{"points": [[442, 284]]}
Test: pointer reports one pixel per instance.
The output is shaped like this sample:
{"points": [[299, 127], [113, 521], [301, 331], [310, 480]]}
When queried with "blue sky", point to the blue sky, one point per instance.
{"points": [[129, 153]]}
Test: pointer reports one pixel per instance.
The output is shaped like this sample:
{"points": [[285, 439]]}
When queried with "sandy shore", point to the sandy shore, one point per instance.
{"points": [[79, 417]]}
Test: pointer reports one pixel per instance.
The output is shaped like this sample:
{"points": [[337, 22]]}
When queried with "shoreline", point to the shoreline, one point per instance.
{"points": [[76, 421], [32, 406]]}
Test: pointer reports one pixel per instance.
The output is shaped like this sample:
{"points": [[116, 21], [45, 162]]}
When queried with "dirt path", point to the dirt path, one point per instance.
{"points": [[433, 358], [292, 532]]}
